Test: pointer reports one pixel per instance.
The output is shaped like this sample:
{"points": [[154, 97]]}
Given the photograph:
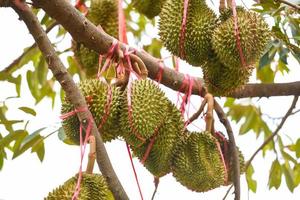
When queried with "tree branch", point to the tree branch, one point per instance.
{"points": [[232, 150], [72, 93], [297, 7], [270, 138]]}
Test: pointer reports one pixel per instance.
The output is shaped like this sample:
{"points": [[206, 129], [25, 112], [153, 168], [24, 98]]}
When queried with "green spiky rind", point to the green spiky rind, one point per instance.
{"points": [[254, 36], [197, 163], [227, 13], [105, 13], [86, 58], [221, 80], [201, 21], [169, 135], [149, 111], [92, 187], [150, 8], [97, 91]]}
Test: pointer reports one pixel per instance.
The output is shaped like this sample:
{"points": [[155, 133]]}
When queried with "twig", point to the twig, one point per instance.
{"points": [[297, 7], [156, 183], [270, 138], [198, 113], [10, 68], [73, 94], [209, 114], [233, 150], [92, 155], [227, 192]]}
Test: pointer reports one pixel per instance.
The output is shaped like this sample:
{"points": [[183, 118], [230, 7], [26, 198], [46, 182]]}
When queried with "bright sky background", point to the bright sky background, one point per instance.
{"points": [[27, 179]]}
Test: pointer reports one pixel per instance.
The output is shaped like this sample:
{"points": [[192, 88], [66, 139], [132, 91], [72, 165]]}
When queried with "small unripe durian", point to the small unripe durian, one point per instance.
{"points": [[149, 109], [201, 21], [150, 8], [198, 163], [104, 13], [92, 187], [103, 106]]}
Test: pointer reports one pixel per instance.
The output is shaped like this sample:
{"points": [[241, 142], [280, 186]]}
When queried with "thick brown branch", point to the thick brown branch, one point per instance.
{"points": [[233, 150], [267, 90], [72, 93], [270, 138]]}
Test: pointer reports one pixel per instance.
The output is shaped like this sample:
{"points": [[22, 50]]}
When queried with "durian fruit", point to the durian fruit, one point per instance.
{"points": [[201, 21], [227, 13], [254, 36], [104, 13], [150, 8], [101, 104], [168, 136], [220, 79], [92, 187], [198, 164], [149, 109], [224, 144]]}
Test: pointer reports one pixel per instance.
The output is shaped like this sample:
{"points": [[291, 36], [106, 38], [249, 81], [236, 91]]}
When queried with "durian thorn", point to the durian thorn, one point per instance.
{"points": [[222, 5], [209, 113], [141, 64], [92, 155], [198, 113]]}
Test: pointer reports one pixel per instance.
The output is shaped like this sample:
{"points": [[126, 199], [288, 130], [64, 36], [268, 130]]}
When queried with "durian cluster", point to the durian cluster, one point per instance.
{"points": [[210, 41], [104, 13], [92, 187], [154, 128]]}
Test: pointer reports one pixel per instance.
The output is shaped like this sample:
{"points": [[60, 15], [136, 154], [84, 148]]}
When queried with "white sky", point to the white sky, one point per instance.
{"points": [[27, 179]]}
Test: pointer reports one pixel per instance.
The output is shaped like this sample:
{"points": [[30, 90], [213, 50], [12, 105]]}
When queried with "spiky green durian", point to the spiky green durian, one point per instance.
{"points": [[92, 187], [150, 8], [198, 163], [103, 102], [221, 79], [168, 136], [254, 35], [149, 109], [201, 21], [104, 13]]}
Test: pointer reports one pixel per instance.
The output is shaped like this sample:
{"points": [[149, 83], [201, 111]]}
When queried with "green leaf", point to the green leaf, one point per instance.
{"points": [[297, 174], [28, 142], [39, 149], [275, 175], [289, 176], [265, 74], [62, 136], [252, 184], [297, 148], [42, 70], [14, 136], [28, 110]]}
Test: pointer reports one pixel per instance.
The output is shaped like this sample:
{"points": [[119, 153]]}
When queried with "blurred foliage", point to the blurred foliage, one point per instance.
{"points": [[285, 42]]}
